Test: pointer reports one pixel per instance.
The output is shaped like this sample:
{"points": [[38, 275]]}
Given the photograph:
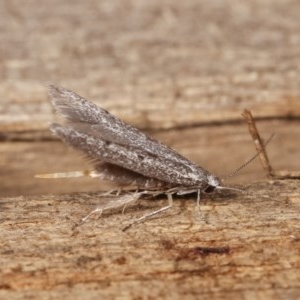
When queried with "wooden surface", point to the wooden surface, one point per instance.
{"points": [[43, 258], [183, 71]]}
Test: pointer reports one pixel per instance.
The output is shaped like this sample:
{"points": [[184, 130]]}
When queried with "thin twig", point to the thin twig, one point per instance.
{"points": [[258, 143], [283, 174]]}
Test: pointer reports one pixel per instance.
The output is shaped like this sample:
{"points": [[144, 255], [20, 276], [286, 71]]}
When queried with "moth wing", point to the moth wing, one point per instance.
{"points": [[89, 118], [130, 158], [124, 177]]}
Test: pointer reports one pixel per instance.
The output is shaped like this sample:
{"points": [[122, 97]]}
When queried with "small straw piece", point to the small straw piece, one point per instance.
{"points": [[260, 147]]}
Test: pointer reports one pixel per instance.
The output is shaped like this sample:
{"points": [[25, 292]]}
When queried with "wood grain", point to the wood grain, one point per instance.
{"points": [[183, 71], [160, 258]]}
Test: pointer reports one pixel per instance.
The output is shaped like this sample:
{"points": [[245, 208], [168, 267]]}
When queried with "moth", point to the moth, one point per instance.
{"points": [[123, 154]]}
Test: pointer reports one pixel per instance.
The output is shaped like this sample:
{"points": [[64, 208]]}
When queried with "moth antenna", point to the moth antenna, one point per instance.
{"points": [[231, 188], [246, 163]]}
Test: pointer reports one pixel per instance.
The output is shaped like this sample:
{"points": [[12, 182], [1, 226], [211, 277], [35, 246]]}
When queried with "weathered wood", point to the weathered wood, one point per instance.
{"points": [[190, 67], [157, 65], [161, 258]]}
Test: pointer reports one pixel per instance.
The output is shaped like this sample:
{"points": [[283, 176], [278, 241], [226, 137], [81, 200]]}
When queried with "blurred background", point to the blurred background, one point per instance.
{"points": [[182, 71]]}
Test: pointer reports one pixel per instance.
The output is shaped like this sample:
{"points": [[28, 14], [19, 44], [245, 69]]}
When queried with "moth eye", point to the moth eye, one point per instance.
{"points": [[209, 189]]}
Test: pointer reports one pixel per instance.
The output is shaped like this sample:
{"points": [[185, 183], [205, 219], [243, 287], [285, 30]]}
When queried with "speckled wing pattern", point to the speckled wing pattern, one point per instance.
{"points": [[104, 137]]}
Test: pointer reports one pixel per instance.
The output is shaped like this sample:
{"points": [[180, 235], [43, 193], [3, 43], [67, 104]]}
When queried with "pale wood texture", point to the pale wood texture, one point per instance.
{"points": [[183, 71], [42, 257]]}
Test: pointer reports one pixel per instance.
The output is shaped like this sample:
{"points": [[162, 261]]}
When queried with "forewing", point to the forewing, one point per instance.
{"points": [[87, 117], [125, 177], [130, 158]]}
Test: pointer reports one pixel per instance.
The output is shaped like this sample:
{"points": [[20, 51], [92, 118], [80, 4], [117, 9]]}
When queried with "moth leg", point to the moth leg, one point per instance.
{"points": [[111, 192], [198, 200], [94, 211], [115, 202], [99, 210], [125, 205], [147, 216], [198, 197]]}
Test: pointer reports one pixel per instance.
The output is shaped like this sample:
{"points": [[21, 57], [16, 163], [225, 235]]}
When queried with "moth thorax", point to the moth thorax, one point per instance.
{"points": [[213, 180]]}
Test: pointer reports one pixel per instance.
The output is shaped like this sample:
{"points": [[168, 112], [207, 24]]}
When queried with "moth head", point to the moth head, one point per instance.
{"points": [[215, 183]]}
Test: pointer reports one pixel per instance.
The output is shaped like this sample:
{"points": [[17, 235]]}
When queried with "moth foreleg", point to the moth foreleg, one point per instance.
{"points": [[198, 198]]}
